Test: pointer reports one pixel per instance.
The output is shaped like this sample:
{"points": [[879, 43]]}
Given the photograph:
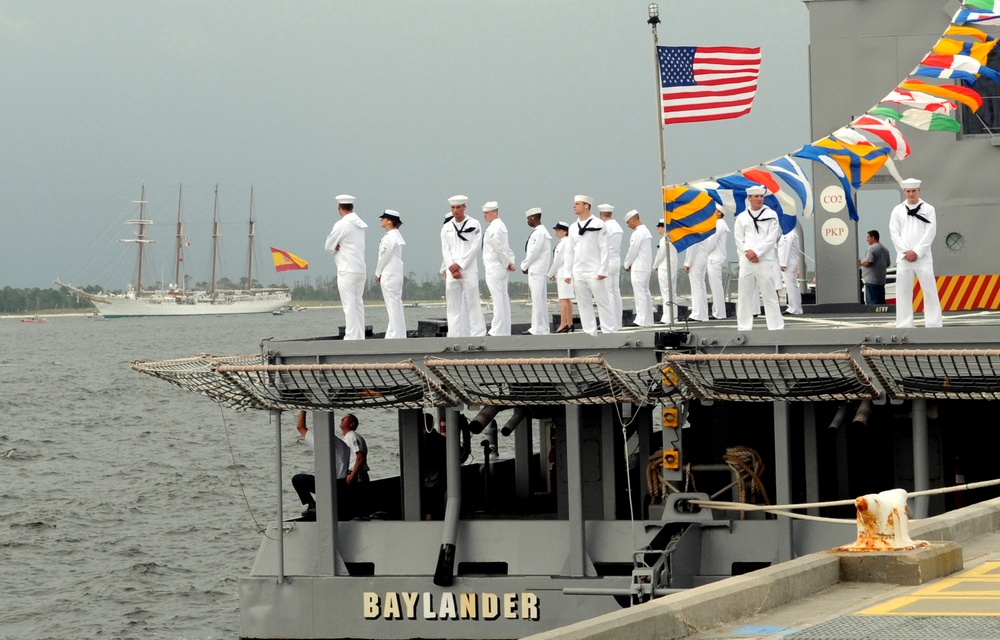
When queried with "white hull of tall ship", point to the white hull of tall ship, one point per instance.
{"points": [[191, 306]]}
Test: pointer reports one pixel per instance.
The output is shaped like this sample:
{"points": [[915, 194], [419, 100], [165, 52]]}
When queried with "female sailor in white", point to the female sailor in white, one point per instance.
{"points": [[559, 275], [389, 272]]}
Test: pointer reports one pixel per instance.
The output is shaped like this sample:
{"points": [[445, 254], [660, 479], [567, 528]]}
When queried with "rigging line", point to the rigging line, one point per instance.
{"points": [[180, 446], [628, 477], [236, 470]]}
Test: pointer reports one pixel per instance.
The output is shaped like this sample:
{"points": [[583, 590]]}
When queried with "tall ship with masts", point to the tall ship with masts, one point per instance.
{"points": [[176, 299]]}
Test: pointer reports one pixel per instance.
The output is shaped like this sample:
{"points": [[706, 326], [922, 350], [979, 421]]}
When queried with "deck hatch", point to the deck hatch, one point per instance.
{"points": [[766, 377], [952, 374], [551, 381]]}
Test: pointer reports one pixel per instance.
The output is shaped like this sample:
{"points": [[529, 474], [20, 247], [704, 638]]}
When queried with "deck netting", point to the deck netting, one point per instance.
{"points": [[957, 374], [251, 383], [551, 381], [766, 377]]}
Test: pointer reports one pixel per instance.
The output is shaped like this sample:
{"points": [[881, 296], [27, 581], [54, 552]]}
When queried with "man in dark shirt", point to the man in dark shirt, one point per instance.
{"points": [[873, 269]]}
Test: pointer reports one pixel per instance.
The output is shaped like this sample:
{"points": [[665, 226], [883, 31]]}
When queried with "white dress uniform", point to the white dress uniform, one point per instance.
{"points": [[758, 231], [497, 255], [612, 239], [389, 271], [696, 263], [536, 262], [586, 258], [558, 270], [667, 280], [915, 232], [639, 262], [347, 244], [717, 258], [788, 260], [460, 245]]}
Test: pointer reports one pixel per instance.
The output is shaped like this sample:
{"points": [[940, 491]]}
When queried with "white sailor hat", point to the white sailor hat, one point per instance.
{"points": [[631, 214], [561, 225], [910, 183], [490, 206], [391, 215], [457, 200], [605, 208], [535, 211], [587, 199], [345, 199], [757, 190]]}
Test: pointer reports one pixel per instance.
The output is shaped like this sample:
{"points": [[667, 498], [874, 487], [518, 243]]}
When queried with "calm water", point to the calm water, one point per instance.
{"points": [[129, 507]]}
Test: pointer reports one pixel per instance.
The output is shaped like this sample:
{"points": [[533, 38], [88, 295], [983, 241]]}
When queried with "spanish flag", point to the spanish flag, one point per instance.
{"points": [[284, 261]]}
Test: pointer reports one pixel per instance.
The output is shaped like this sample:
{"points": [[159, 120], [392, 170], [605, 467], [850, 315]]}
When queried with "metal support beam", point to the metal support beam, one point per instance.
{"points": [[523, 445], [276, 416], [410, 423], [921, 464], [576, 527], [811, 455], [327, 514], [782, 477]]}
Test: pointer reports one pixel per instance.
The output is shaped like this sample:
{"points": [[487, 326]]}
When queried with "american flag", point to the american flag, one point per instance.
{"points": [[707, 83]]}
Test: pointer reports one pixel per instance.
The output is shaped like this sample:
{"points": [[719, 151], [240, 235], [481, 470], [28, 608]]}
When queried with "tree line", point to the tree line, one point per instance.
{"points": [[14, 301]]}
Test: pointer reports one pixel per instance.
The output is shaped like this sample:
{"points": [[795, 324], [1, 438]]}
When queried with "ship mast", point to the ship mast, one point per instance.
{"points": [[140, 237], [252, 233], [179, 254], [215, 239]]}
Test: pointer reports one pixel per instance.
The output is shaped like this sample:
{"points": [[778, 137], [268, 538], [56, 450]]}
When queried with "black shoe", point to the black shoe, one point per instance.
{"points": [[565, 329]]}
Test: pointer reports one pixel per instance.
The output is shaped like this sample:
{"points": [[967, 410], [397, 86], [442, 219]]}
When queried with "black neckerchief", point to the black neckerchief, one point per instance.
{"points": [[463, 230], [584, 228], [756, 218], [448, 219], [913, 212]]}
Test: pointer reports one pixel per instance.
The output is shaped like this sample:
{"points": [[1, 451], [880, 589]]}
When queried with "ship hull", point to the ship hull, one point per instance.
{"points": [[125, 308]]}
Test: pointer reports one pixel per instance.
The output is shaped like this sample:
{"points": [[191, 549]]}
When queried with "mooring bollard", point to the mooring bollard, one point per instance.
{"points": [[883, 523]]}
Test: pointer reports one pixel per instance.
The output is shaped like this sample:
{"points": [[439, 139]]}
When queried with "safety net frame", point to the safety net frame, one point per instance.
{"points": [[549, 381], [766, 377], [946, 374], [249, 382]]}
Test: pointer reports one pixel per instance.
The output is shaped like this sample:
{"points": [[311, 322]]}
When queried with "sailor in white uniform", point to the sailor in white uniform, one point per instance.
{"points": [[389, 272], [788, 260], [587, 260], [666, 278], [562, 278], [639, 264], [717, 257], [536, 264], [347, 244], [696, 266], [498, 262], [612, 239], [461, 237], [912, 227], [756, 234]]}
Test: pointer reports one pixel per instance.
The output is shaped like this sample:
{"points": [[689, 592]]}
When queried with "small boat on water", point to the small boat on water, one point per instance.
{"points": [[175, 300], [33, 319]]}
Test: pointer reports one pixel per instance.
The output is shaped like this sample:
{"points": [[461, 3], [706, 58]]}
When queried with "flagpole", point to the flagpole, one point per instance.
{"points": [[654, 19]]}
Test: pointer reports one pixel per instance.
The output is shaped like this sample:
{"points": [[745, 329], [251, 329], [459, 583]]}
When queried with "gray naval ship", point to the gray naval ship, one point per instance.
{"points": [[642, 457]]}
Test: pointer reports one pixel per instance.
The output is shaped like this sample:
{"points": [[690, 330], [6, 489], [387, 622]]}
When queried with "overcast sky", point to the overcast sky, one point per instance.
{"points": [[401, 104]]}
